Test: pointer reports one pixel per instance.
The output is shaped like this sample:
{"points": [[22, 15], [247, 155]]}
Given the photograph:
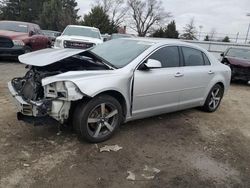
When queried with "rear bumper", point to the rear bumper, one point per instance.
{"points": [[12, 52]]}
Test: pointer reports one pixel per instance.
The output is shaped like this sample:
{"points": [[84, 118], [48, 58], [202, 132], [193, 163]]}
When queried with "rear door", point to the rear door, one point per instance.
{"points": [[198, 73], [158, 90]]}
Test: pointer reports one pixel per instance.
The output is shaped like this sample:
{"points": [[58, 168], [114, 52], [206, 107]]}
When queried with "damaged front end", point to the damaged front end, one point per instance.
{"points": [[32, 99]]}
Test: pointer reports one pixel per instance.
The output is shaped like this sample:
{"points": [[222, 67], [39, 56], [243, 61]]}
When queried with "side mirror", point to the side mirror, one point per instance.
{"points": [[31, 33], [152, 64], [222, 54]]}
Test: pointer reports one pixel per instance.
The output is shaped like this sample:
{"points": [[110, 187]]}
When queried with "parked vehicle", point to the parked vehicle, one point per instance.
{"points": [[78, 37], [238, 59], [105, 37], [98, 90], [52, 35], [17, 38], [119, 36]]}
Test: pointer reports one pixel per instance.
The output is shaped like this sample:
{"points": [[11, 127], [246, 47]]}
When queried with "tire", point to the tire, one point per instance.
{"points": [[213, 99], [98, 119], [27, 49]]}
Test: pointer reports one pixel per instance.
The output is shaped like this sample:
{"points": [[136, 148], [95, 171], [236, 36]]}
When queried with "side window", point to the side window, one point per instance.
{"points": [[192, 57], [168, 56], [206, 60]]}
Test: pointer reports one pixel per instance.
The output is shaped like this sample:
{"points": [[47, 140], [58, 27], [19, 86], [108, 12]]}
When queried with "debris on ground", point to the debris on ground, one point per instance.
{"points": [[149, 169], [107, 148], [131, 176], [26, 165], [148, 173]]}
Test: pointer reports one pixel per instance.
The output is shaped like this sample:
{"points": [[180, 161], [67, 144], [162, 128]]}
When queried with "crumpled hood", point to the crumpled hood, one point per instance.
{"points": [[239, 62], [47, 56], [80, 39], [13, 35]]}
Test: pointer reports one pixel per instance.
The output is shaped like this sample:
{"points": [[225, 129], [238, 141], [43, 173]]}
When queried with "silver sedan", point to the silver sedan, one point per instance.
{"points": [[97, 89]]}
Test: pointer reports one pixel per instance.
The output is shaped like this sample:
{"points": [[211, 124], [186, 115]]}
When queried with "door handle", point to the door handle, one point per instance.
{"points": [[210, 72], [178, 74]]}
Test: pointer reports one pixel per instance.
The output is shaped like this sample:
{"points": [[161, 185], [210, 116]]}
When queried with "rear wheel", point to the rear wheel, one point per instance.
{"points": [[98, 119], [213, 99]]}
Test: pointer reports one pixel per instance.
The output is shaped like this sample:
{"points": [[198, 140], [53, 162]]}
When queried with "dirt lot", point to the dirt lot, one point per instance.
{"points": [[189, 148]]}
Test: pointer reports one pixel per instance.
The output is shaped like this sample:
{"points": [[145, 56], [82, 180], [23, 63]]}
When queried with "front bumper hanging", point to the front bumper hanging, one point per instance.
{"points": [[57, 109]]}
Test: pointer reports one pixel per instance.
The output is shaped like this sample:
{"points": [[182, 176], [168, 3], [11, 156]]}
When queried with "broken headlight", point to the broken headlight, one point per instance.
{"points": [[63, 90]]}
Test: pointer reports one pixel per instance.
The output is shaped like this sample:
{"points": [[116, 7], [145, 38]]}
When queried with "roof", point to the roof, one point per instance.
{"points": [[158, 40], [82, 26], [165, 41]]}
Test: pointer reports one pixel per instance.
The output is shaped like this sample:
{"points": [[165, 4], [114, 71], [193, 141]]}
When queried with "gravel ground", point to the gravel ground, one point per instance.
{"points": [[184, 149]]}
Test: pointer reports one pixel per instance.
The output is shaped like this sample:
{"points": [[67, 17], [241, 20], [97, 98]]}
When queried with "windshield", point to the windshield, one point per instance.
{"points": [[239, 52], [14, 26], [120, 52], [51, 33], [81, 31]]}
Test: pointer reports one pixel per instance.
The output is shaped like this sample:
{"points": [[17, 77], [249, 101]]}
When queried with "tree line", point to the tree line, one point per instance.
{"points": [[146, 17], [49, 14]]}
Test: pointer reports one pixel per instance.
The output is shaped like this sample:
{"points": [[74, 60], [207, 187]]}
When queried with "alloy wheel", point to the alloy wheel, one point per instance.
{"points": [[215, 98], [102, 120]]}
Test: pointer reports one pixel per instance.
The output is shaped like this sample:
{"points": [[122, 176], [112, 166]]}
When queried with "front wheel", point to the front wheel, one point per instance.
{"points": [[213, 99], [27, 49], [98, 119]]}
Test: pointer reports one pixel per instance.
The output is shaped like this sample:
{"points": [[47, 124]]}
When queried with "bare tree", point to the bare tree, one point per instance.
{"points": [[116, 9], [145, 14], [212, 34], [189, 31]]}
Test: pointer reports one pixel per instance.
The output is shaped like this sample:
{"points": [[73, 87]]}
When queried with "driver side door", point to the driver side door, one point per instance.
{"points": [[158, 90]]}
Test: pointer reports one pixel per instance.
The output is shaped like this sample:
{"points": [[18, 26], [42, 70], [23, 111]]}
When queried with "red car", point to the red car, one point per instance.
{"points": [[238, 59], [17, 38]]}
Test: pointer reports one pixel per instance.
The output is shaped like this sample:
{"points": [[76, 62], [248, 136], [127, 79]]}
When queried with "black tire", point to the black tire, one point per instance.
{"points": [[93, 126], [211, 105], [27, 49]]}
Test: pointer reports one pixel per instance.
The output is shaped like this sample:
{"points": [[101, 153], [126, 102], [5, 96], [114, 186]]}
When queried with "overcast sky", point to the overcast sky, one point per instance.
{"points": [[226, 16]]}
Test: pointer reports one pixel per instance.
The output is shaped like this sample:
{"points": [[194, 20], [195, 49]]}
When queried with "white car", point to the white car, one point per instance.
{"points": [[79, 37], [119, 81]]}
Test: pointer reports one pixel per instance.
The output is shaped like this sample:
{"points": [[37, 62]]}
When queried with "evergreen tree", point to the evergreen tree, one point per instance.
{"points": [[206, 38], [159, 33], [168, 32], [189, 31], [11, 9], [57, 14], [226, 39], [171, 31], [99, 19]]}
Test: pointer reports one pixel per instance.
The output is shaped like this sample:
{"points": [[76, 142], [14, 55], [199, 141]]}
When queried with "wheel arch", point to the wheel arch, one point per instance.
{"points": [[119, 97], [220, 82]]}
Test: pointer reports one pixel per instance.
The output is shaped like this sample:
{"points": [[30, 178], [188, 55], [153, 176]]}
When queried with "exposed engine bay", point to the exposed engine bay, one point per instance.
{"points": [[53, 99], [30, 87]]}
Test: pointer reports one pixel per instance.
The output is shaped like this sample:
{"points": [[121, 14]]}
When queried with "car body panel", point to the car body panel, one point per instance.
{"points": [[240, 66], [167, 89], [238, 61], [59, 43], [36, 41], [146, 92], [47, 56]]}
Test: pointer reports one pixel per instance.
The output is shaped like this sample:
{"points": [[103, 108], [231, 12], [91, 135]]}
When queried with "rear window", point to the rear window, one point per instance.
{"points": [[192, 57]]}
